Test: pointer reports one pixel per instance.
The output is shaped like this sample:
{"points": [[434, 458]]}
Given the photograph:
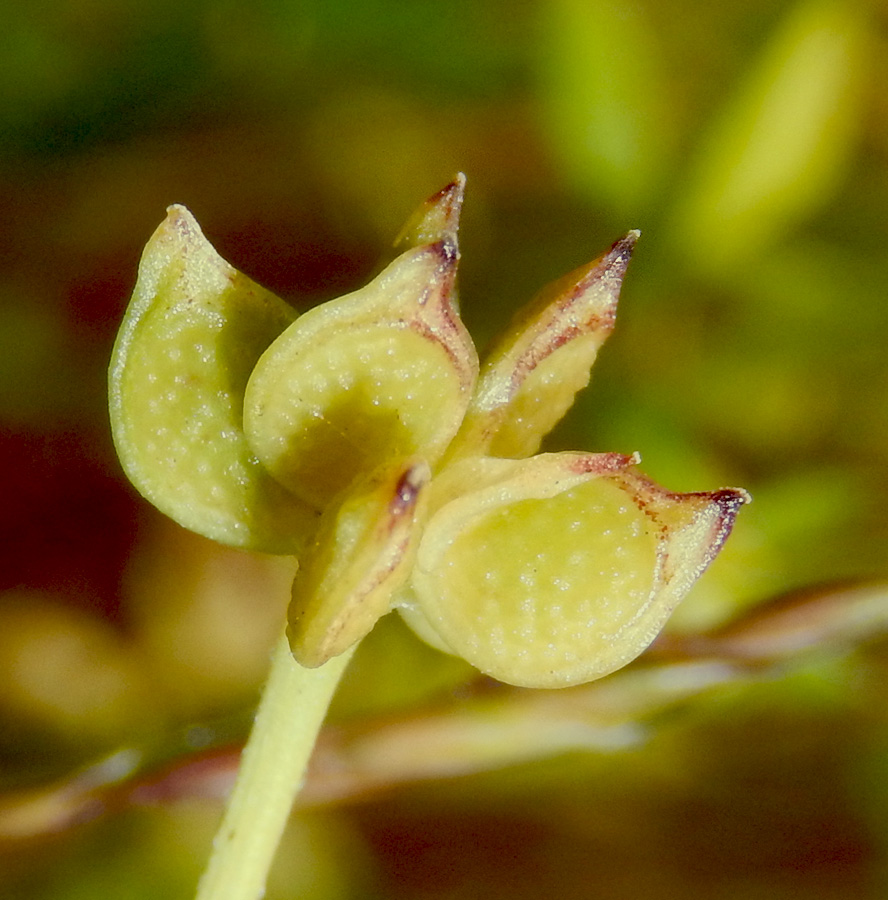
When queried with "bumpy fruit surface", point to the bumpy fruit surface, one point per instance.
{"points": [[366, 438]]}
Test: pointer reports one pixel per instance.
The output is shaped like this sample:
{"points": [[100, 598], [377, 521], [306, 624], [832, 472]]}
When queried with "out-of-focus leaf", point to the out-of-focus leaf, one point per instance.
{"points": [[602, 101], [778, 149]]}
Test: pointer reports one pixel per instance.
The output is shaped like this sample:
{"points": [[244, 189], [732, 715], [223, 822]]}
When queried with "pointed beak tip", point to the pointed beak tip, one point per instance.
{"points": [[733, 498], [729, 502], [451, 196], [621, 250]]}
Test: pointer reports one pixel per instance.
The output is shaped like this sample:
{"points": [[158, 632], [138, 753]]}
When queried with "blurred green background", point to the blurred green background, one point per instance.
{"points": [[749, 143]]}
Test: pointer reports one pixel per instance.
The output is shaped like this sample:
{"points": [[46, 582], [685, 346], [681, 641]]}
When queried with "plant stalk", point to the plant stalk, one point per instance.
{"points": [[272, 769]]}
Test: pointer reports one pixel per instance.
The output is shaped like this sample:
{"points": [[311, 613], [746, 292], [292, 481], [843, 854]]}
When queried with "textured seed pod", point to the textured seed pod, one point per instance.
{"points": [[360, 556], [319, 436], [382, 373], [561, 568], [190, 337], [532, 373]]}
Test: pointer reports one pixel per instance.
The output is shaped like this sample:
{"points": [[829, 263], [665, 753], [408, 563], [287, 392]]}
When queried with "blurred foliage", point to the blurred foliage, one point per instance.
{"points": [[749, 143]]}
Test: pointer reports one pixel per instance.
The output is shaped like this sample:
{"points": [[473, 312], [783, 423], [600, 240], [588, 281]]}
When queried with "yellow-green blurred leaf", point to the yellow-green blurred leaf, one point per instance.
{"points": [[779, 147], [602, 102]]}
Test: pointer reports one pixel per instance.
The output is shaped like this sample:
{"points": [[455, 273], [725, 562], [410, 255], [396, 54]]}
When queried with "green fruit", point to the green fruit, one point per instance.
{"points": [[380, 374], [561, 568], [190, 338]]}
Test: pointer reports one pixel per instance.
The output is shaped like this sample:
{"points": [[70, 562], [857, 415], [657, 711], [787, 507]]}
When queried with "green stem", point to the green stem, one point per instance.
{"points": [[271, 773]]}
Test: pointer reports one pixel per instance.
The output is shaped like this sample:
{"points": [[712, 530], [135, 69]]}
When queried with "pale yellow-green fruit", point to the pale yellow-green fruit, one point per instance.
{"points": [[380, 374], [361, 555], [189, 340], [531, 375], [561, 568]]}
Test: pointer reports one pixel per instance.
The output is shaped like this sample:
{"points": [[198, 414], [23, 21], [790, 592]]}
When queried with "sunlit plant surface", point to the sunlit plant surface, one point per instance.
{"points": [[365, 438], [743, 753]]}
